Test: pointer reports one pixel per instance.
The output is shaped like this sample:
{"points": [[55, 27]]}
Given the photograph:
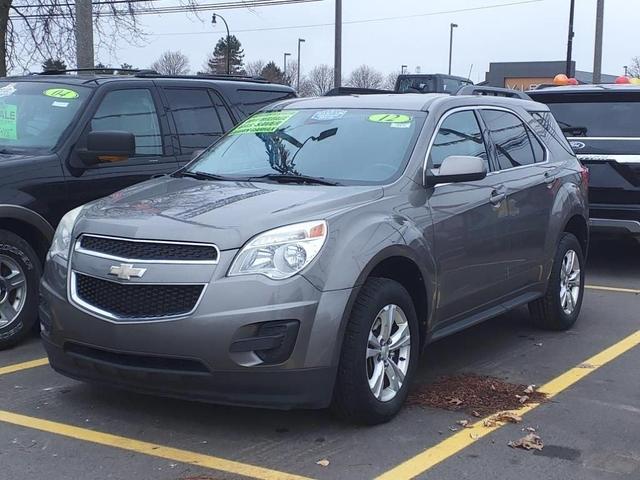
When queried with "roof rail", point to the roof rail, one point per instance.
{"points": [[337, 91], [111, 70], [210, 76], [492, 91]]}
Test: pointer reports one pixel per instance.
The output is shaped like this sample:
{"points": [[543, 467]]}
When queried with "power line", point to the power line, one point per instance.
{"points": [[371, 20], [172, 9]]}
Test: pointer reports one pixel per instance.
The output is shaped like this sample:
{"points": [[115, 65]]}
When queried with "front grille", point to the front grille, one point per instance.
{"points": [[134, 300], [149, 250]]}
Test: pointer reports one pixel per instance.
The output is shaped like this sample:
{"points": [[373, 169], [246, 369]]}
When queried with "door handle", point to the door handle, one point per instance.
{"points": [[497, 197]]}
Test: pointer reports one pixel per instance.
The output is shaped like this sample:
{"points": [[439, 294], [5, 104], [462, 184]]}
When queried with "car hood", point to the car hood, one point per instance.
{"points": [[225, 213]]}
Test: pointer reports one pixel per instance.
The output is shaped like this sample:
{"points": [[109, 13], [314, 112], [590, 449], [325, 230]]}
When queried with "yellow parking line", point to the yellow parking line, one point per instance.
{"points": [[613, 289], [467, 436], [24, 366], [146, 448]]}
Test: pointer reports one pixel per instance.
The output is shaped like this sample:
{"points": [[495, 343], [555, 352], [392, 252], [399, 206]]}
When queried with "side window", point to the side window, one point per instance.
{"points": [[459, 134], [195, 116], [549, 126], [538, 149], [223, 113], [510, 137], [132, 111], [250, 101]]}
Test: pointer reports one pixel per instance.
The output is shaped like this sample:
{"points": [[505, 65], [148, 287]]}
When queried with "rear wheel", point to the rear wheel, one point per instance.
{"points": [[379, 354], [560, 306], [19, 277]]}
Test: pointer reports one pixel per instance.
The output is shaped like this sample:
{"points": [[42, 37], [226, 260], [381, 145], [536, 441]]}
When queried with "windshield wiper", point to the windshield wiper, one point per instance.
{"points": [[293, 178], [199, 175]]}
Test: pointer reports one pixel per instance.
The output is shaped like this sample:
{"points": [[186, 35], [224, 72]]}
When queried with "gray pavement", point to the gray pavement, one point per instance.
{"points": [[591, 430]]}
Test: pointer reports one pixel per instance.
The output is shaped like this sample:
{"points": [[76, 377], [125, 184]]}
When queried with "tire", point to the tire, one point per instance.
{"points": [[17, 255], [353, 399], [548, 312]]}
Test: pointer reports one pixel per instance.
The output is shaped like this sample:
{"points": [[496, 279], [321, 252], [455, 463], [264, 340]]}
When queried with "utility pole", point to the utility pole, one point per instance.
{"points": [[285, 63], [453, 25], [597, 50], [84, 34], [337, 60], [570, 39], [300, 41]]}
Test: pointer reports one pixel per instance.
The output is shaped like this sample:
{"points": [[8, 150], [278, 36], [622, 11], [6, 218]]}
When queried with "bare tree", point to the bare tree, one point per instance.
{"points": [[34, 30], [390, 81], [254, 68], [306, 88], [365, 77], [320, 79], [634, 68], [291, 74], [171, 63]]}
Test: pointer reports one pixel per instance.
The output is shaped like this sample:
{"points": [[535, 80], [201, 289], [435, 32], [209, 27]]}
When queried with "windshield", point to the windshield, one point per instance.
{"points": [[345, 146], [33, 115], [596, 115], [413, 84]]}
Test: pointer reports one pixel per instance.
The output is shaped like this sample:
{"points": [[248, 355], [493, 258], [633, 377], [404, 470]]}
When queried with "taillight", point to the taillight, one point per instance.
{"points": [[584, 175]]}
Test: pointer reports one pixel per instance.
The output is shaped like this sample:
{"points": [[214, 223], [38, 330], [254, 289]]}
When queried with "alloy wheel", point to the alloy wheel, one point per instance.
{"points": [[388, 351], [570, 281], [13, 290]]}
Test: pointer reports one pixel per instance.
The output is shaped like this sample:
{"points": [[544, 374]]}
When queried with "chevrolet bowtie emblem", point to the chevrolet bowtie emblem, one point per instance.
{"points": [[125, 271]]}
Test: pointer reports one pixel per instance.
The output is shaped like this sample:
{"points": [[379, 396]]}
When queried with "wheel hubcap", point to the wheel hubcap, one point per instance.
{"points": [[388, 351], [569, 282], [12, 290]]}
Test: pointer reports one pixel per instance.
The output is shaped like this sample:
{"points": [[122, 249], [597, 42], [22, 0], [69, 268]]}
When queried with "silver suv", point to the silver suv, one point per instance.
{"points": [[308, 257]]}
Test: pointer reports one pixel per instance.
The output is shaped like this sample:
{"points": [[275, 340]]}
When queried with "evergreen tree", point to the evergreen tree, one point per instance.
{"points": [[217, 62], [53, 64], [273, 73]]}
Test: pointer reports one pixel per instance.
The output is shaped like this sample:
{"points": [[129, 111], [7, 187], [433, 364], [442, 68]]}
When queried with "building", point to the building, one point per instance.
{"points": [[527, 75]]}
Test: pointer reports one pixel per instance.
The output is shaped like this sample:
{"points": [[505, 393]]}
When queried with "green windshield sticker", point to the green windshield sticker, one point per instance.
{"points": [[389, 118], [8, 116], [267, 122], [61, 93]]}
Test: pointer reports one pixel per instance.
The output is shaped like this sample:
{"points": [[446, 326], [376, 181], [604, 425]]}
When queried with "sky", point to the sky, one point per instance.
{"points": [[387, 34]]}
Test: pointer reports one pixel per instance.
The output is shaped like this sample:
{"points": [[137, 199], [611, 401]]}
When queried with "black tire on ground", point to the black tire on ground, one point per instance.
{"points": [[17, 249], [353, 400], [547, 312]]}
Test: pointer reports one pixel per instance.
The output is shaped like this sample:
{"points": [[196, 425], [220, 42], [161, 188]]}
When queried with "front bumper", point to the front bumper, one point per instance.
{"points": [[228, 308]]}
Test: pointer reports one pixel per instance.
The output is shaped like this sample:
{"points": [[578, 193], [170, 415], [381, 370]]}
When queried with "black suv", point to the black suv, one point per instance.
{"points": [[601, 124], [68, 139]]}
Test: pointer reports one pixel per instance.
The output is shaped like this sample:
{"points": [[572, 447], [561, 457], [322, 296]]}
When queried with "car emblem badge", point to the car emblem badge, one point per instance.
{"points": [[126, 271], [577, 145]]}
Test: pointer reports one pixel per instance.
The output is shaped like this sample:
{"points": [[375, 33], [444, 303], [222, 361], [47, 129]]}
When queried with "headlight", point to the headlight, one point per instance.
{"points": [[282, 252], [62, 238]]}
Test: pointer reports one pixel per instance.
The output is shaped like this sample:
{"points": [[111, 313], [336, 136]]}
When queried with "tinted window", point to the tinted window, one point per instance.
{"points": [[223, 113], [131, 111], [538, 150], [350, 146], [547, 126], [195, 116], [452, 85], [34, 115], [459, 134], [596, 115], [253, 100], [415, 83], [510, 137]]}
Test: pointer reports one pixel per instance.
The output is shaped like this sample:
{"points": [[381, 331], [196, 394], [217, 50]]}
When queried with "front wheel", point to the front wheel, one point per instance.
{"points": [[560, 306], [19, 276], [379, 354]]}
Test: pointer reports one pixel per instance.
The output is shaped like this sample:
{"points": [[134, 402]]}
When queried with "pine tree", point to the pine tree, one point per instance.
{"points": [[217, 62], [53, 64], [273, 73]]}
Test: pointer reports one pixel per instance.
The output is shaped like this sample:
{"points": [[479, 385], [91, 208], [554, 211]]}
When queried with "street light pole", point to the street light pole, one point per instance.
{"points": [[570, 39], [285, 63], [213, 21], [402, 69], [626, 71], [597, 50], [452, 26], [337, 61], [300, 41]]}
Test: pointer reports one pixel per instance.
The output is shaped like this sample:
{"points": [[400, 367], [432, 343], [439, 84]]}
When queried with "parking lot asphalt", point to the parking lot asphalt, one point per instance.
{"points": [[55, 428]]}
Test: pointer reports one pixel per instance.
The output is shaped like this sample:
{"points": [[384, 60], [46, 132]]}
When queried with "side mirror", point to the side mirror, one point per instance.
{"points": [[108, 146], [457, 168]]}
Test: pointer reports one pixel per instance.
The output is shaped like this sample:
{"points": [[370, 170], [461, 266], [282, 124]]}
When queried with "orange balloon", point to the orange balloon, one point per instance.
{"points": [[561, 79], [623, 80], [573, 81]]}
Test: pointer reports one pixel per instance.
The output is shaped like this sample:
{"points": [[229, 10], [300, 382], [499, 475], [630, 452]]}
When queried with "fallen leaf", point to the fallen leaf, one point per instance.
{"points": [[464, 423], [586, 365], [455, 401], [475, 414], [493, 387], [506, 417], [522, 398], [538, 344], [490, 422], [323, 463], [453, 429], [529, 429], [530, 389], [528, 442], [474, 436]]}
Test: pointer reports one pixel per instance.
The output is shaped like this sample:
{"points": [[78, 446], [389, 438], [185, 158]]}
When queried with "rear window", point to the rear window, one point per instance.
{"points": [[595, 115]]}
